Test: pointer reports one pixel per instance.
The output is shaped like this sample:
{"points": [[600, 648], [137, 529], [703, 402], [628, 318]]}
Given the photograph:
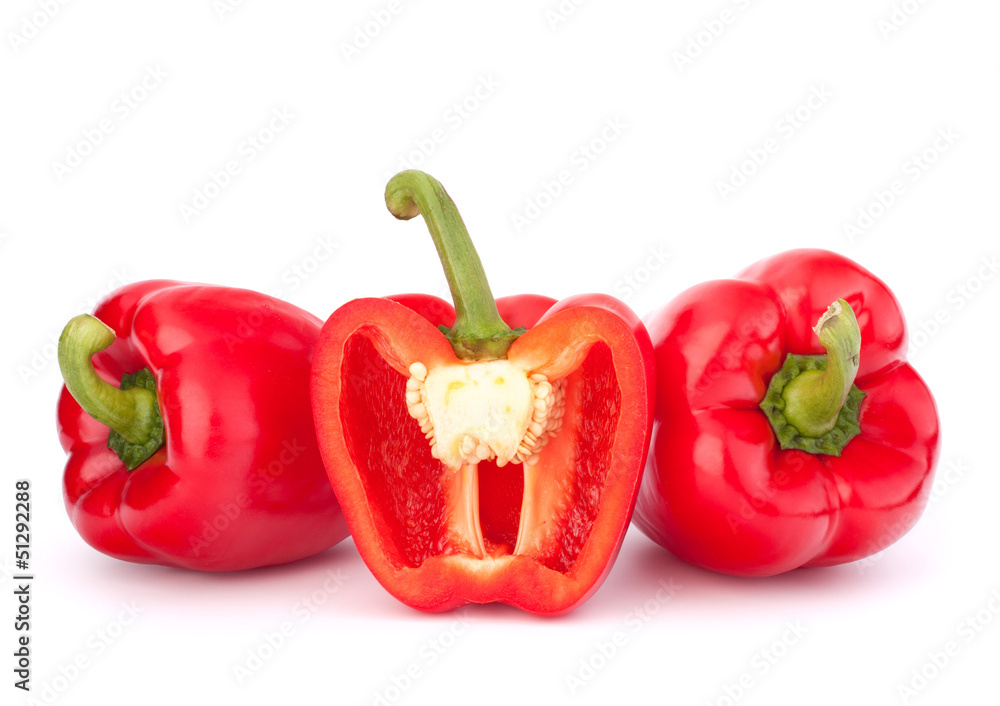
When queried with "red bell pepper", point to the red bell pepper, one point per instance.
{"points": [[777, 446], [206, 458], [433, 439]]}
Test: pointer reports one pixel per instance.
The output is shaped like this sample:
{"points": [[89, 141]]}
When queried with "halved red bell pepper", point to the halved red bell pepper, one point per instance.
{"points": [[479, 463], [779, 445], [206, 458]]}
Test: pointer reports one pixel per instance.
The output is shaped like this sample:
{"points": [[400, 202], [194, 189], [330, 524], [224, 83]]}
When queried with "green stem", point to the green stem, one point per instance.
{"points": [[812, 402], [479, 333], [132, 414], [814, 399]]}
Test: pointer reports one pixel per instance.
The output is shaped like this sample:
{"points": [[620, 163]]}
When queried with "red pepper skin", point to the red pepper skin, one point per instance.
{"points": [[718, 490], [442, 580], [239, 483]]}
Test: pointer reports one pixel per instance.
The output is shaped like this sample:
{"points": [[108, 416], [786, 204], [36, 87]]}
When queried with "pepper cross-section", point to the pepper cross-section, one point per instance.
{"points": [[475, 462]]}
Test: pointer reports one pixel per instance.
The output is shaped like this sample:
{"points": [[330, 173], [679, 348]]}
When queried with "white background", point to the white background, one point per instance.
{"points": [[648, 107]]}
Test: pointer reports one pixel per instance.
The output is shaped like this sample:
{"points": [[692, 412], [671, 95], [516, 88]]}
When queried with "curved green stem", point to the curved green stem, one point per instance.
{"points": [[132, 413], [814, 399], [479, 333], [812, 402]]}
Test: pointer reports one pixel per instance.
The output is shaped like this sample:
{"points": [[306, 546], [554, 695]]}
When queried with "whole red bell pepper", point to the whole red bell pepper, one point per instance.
{"points": [[777, 445], [187, 422], [477, 463]]}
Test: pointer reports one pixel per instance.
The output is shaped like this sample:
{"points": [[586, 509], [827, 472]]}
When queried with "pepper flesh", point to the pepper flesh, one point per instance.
{"points": [[476, 461], [239, 482], [550, 530], [719, 490]]}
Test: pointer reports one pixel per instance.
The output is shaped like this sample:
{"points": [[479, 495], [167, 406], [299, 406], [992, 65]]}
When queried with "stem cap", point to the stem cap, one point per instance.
{"points": [[812, 401]]}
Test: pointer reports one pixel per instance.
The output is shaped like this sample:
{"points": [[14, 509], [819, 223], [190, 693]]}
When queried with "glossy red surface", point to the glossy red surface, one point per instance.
{"points": [[239, 483], [718, 491]]}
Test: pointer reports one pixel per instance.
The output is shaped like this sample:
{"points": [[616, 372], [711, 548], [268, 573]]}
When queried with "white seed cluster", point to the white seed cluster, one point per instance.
{"points": [[548, 407], [416, 400], [546, 418]]}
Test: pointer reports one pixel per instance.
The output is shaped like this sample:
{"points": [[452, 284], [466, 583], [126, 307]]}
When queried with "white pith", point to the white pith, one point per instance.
{"points": [[489, 410]]}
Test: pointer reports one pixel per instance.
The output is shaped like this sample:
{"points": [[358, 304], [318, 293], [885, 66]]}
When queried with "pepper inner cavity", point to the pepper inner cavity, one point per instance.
{"points": [[483, 411]]}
